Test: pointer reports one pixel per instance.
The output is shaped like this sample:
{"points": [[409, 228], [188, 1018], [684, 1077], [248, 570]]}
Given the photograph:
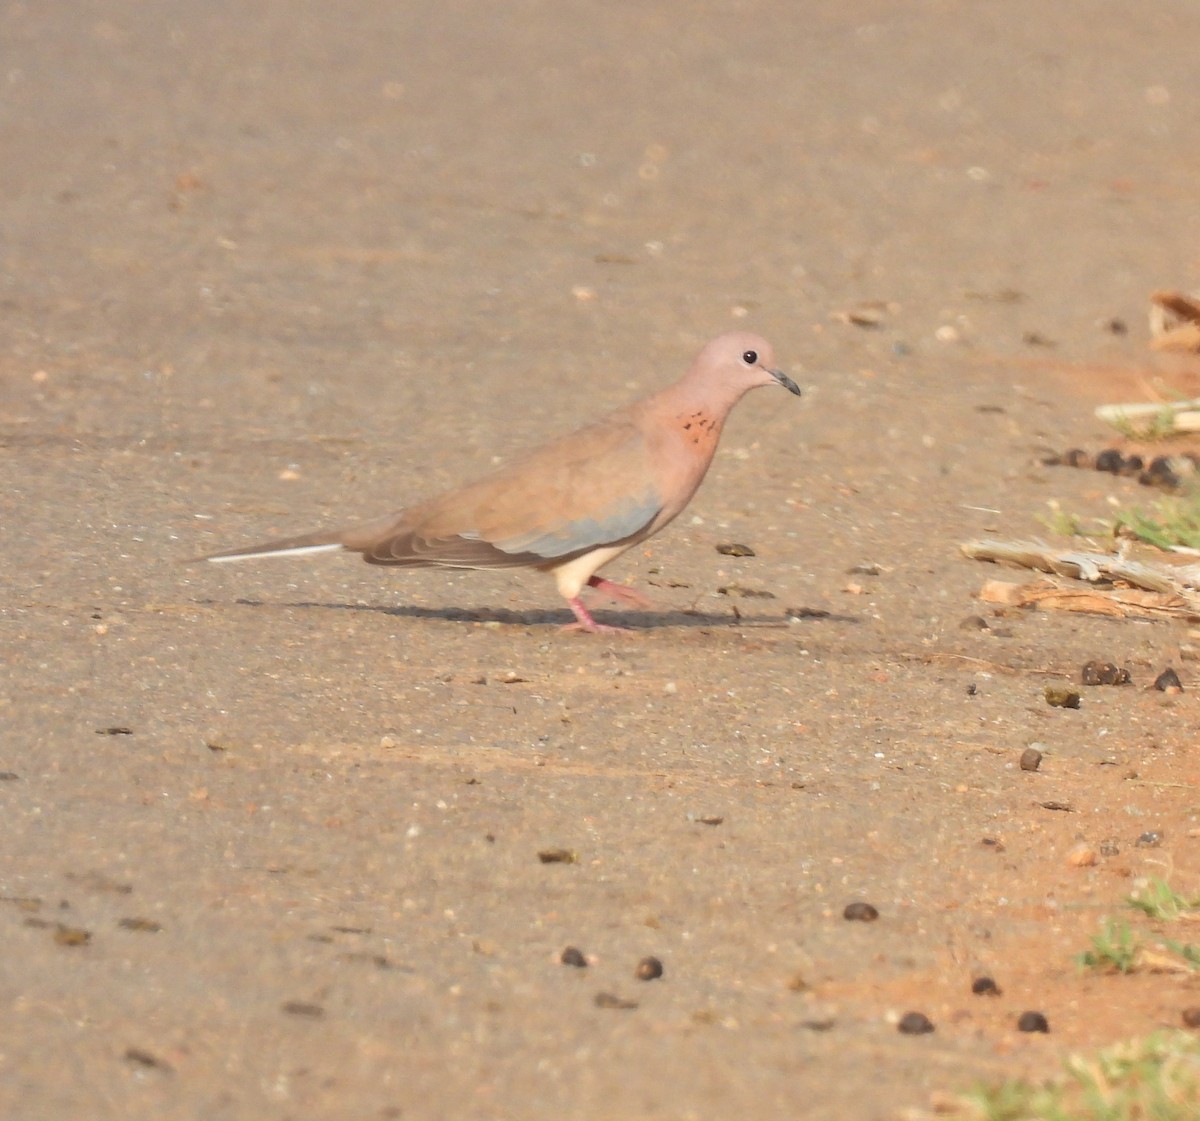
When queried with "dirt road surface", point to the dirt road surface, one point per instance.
{"points": [[271, 833]]}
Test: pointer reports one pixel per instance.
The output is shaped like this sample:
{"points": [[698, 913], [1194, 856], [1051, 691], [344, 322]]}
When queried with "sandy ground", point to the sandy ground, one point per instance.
{"points": [[271, 833]]}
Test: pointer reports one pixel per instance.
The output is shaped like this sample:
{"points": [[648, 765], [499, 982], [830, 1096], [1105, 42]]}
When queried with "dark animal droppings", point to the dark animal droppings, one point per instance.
{"points": [[648, 969], [915, 1023], [1168, 679], [1103, 673], [610, 1000], [860, 912], [1061, 698], [558, 856], [1033, 1021], [303, 1008]]}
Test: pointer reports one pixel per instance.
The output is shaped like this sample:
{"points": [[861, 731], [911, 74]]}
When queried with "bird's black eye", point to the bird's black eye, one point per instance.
{"points": [[750, 357]]}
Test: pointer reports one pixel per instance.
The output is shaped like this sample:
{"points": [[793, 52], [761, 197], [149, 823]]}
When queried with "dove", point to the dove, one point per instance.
{"points": [[573, 505]]}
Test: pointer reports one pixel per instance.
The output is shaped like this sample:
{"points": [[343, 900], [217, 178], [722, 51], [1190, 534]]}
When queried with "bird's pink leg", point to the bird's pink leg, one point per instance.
{"points": [[585, 622], [620, 592]]}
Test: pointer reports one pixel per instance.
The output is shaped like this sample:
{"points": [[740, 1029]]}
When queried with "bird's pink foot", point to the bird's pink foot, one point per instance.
{"points": [[585, 622], [621, 593]]}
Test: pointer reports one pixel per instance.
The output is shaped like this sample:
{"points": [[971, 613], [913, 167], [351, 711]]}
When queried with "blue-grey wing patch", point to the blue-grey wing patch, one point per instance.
{"points": [[584, 533]]}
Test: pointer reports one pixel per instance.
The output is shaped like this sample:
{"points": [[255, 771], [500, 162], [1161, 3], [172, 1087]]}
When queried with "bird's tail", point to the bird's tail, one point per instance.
{"points": [[354, 538], [323, 541]]}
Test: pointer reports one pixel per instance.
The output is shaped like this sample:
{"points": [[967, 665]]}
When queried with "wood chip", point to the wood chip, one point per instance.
{"points": [[1130, 589], [1174, 321]]}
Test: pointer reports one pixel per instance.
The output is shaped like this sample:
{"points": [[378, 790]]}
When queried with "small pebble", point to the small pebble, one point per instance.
{"points": [[740, 591], [1168, 682], [1033, 1021], [1110, 848], [610, 1000], [734, 549], [985, 986], [558, 856], [1191, 1017], [915, 1023], [1110, 460], [1082, 856], [806, 613], [860, 912], [142, 1058], [573, 956], [1149, 840], [1077, 457], [648, 969], [71, 935], [1031, 759], [143, 926], [303, 1008]]}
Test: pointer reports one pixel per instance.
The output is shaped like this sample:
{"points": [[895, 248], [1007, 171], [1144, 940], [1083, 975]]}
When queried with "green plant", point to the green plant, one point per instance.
{"points": [[1189, 953], [1172, 521], [1161, 902], [1060, 522], [1156, 426], [1114, 950], [1153, 1078]]}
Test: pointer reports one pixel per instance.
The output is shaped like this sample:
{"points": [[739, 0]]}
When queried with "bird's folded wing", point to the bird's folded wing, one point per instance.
{"points": [[591, 489]]}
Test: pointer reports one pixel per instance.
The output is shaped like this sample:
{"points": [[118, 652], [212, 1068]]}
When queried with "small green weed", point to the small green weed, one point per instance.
{"points": [[1114, 950], [1154, 1078], [1061, 522], [1162, 903], [1189, 953], [1156, 426], [1172, 521]]}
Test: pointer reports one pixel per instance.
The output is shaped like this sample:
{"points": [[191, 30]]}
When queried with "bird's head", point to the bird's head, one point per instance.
{"points": [[742, 361]]}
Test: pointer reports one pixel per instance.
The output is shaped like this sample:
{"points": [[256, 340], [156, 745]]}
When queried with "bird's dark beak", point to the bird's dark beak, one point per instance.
{"points": [[785, 381]]}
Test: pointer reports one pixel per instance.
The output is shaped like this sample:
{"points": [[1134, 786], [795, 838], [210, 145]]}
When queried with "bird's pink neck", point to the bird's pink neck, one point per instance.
{"points": [[698, 411], [699, 425]]}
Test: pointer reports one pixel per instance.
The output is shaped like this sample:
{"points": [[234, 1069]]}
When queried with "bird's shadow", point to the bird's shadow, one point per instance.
{"points": [[634, 620]]}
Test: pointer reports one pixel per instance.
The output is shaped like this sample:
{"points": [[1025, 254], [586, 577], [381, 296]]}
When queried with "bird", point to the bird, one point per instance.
{"points": [[576, 503]]}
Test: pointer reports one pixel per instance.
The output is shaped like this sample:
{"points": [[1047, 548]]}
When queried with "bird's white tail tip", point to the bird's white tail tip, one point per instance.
{"points": [[296, 551]]}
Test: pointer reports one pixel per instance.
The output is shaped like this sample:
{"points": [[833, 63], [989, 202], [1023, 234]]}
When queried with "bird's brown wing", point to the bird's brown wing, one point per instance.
{"points": [[590, 489]]}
